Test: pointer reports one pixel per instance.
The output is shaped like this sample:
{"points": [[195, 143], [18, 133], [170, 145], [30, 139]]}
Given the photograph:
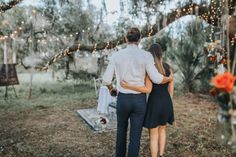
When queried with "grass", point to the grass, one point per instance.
{"points": [[46, 94], [47, 126]]}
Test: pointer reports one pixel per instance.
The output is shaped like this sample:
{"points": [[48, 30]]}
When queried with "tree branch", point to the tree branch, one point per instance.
{"points": [[9, 5], [203, 12], [146, 30]]}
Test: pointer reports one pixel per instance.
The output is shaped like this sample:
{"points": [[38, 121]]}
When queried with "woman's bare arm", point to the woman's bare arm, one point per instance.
{"points": [[171, 87], [144, 89]]}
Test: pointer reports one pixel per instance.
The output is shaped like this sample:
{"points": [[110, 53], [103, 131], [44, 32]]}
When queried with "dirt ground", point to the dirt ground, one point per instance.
{"points": [[57, 131]]}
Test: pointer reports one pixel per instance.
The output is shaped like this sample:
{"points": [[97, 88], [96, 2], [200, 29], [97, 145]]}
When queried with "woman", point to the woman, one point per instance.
{"points": [[159, 105]]}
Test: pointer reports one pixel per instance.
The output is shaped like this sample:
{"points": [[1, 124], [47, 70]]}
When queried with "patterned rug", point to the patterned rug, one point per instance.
{"points": [[99, 122]]}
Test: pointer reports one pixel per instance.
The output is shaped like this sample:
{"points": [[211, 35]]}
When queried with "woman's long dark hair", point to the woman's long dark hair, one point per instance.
{"points": [[156, 51]]}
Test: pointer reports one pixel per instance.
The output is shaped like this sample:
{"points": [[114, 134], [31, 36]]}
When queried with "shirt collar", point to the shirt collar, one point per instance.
{"points": [[132, 46]]}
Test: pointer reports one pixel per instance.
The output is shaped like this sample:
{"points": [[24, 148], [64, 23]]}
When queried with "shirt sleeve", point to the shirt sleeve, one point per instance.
{"points": [[109, 73], [152, 71]]}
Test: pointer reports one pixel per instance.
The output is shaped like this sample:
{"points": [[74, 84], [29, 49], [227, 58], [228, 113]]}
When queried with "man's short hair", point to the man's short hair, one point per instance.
{"points": [[133, 34]]}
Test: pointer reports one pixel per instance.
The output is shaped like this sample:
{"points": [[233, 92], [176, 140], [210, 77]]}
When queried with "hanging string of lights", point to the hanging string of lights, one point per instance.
{"points": [[200, 11], [12, 35], [34, 12]]}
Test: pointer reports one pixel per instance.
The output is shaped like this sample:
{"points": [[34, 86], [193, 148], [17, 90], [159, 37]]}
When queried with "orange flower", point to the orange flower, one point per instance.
{"points": [[224, 82]]}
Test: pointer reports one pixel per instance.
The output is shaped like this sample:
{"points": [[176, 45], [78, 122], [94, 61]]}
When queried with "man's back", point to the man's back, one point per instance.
{"points": [[130, 65]]}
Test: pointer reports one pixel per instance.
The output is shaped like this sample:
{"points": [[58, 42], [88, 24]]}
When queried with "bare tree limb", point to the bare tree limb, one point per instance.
{"points": [[9, 5], [145, 31], [203, 12]]}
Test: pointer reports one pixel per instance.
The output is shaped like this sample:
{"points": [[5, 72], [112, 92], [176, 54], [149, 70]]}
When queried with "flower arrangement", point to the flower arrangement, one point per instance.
{"points": [[224, 90], [217, 55], [100, 123]]}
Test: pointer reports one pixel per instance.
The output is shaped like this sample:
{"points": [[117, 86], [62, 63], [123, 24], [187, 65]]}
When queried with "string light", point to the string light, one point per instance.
{"points": [[232, 41], [108, 43], [34, 12], [13, 35], [95, 47], [189, 10], [178, 12], [150, 33], [210, 15], [78, 47], [117, 43]]}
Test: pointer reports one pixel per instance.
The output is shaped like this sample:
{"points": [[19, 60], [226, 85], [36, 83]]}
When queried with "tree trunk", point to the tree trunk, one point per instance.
{"points": [[67, 69], [5, 52], [31, 84]]}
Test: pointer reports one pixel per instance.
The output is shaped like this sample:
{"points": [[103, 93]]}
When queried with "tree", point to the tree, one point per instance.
{"points": [[151, 30], [188, 55], [60, 23]]}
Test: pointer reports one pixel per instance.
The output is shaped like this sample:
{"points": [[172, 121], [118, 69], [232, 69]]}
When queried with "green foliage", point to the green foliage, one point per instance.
{"points": [[188, 55], [47, 94], [83, 75], [51, 27], [163, 38], [122, 26]]}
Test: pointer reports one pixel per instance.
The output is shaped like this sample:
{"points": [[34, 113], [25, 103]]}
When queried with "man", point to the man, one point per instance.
{"points": [[131, 65]]}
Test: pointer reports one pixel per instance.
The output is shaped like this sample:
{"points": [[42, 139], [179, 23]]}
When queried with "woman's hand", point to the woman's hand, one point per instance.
{"points": [[124, 84], [147, 88]]}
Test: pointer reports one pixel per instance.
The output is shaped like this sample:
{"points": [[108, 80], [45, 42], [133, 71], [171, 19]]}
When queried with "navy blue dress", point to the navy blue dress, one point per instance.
{"points": [[159, 106]]}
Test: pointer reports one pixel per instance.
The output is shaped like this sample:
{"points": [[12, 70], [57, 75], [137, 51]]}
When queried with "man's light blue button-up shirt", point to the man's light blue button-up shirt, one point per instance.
{"points": [[131, 64]]}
